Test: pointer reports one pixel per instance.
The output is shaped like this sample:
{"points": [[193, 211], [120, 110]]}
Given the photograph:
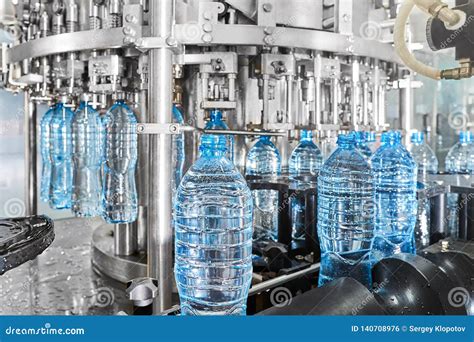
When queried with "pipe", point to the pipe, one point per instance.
{"points": [[401, 48], [160, 230], [31, 195], [125, 239]]}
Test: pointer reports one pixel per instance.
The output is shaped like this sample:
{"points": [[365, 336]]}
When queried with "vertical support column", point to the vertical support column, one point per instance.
{"points": [[160, 89], [31, 193], [125, 239], [406, 106], [142, 178]]}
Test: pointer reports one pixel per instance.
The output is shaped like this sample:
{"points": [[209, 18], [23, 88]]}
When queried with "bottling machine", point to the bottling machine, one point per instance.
{"points": [[273, 67]]}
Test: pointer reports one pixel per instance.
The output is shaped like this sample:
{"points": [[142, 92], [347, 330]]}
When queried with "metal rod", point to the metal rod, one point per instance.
{"points": [[31, 195], [160, 230], [125, 239], [142, 178], [266, 285], [248, 133]]}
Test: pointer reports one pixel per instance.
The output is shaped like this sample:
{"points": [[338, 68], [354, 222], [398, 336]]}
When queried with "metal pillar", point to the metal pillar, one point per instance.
{"points": [[31, 194], [125, 239], [160, 231], [142, 178]]}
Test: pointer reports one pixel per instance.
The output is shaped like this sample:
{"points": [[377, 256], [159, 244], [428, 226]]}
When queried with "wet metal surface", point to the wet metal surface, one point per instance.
{"points": [[61, 280]]}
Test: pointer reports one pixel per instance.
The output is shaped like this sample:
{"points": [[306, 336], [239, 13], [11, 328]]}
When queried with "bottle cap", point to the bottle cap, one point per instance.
{"points": [[346, 139], [391, 137], [417, 137], [306, 135]]}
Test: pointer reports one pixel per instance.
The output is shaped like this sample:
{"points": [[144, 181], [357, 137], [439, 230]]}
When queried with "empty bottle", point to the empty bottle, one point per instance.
{"points": [[362, 144], [216, 122], [264, 161], [119, 189], [45, 141], [88, 153], [213, 242], [371, 141], [305, 162], [395, 174], [60, 190], [460, 161], [427, 163], [178, 148], [345, 214]]}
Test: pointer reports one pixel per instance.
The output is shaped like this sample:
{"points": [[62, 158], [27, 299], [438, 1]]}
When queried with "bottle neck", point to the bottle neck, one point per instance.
{"points": [[306, 135], [216, 115], [391, 138], [346, 141], [213, 146]]}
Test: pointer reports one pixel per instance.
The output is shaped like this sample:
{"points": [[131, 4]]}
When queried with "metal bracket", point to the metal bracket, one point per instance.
{"points": [[156, 128], [146, 43]]}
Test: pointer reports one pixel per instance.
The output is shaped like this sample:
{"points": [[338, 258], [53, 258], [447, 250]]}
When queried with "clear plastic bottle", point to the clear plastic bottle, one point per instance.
{"points": [[178, 148], [345, 214], [427, 163], [460, 161], [45, 141], [305, 162], [216, 122], [60, 190], [120, 161], [371, 138], [395, 175], [87, 157], [213, 242], [362, 144], [264, 160]]}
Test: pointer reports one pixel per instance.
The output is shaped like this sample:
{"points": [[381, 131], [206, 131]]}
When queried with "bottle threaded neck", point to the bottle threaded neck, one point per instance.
{"points": [[212, 144], [346, 140], [417, 137], [306, 135], [391, 137], [216, 115], [466, 137]]}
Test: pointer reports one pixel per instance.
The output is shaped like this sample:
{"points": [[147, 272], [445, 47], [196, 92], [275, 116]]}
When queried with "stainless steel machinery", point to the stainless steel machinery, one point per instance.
{"points": [[272, 66]]}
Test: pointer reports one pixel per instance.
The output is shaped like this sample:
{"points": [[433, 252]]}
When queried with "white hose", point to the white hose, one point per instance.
{"points": [[401, 48]]}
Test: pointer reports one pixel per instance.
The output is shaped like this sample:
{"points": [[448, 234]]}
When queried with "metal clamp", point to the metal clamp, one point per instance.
{"points": [[146, 43], [156, 128], [142, 291]]}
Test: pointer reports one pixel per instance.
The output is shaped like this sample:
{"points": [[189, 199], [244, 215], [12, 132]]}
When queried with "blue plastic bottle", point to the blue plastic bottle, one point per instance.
{"points": [[427, 164], [345, 214], [60, 190], [362, 144], [119, 188], [460, 161], [178, 148], [395, 179], [216, 122], [371, 138], [46, 153], [264, 161], [305, 162], [213, 226], [87, 158]]}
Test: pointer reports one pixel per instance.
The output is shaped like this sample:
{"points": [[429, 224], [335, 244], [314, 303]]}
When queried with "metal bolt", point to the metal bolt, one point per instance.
{"points": [[207, 27], [268, 30], [140, 128], [267, 7], [207, 38], [130, 18], [207, 15], [171, 41], [173, 128]]}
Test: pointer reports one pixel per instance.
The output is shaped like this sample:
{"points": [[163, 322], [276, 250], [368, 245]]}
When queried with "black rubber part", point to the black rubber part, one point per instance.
{"points": [[23, 239], [343, 296], [412, 285]]}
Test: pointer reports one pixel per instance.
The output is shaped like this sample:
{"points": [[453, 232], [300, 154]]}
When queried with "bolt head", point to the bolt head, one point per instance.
{"points": [[267, 7], [130, 18], [207, 38]]}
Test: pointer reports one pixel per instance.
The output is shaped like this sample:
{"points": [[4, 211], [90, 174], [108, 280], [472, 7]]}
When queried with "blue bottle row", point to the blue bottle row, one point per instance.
{"points": [[366, 207], [89, 161]]}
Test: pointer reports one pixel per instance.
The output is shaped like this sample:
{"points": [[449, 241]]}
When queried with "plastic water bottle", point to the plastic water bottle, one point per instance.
{"points": [[45, 141], [87, 158], [263, 160], [305, 162], [362, 144], [423, 155], [216, 122], [345, 214], [213, 226], [178, 148], [395, 174], [460, 160], [119, 188], [60, 190], [427, 163]]}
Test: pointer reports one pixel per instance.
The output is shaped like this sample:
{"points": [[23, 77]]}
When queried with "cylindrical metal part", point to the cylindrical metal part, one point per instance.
{"points": [[125, 239], [438, 220], [335, 87], [142, 177], [466, 217], [31, 194], [289, 100], [160, 231], [318, 99]]}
